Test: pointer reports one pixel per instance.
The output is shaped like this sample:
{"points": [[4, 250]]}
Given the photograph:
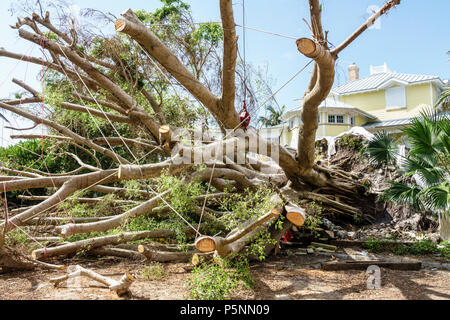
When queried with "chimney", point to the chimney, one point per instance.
{"points": [[353, 72]]}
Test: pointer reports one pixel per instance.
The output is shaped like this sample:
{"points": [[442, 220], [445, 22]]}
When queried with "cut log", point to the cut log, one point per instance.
{"points": [[295, 214], [119, 287], [238, 239], [165, 138], [205, 244], [306, 46]]}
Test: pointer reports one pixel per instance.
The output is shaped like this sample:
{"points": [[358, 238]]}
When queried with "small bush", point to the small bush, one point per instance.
{"points": [[425, 246], [374, 245], [445, 251], [399, 249], [155, 271], [350, 142], [314, 218], [16, 237], [218, 280]]}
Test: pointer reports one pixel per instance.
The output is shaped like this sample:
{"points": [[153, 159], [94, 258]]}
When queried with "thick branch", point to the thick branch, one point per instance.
{"points": [[92, 243], [237, 240], [325, 78], [229, 56], [147, 206], [132, 26]]}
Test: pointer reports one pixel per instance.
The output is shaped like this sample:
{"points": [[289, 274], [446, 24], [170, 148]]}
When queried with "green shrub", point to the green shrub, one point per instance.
{"points": [[349, 142], [154, 271], [314, 218], [15, 237], [219, 279], [247, 205], [425, 246], [399, 249], [445, 251], [374, 245]]}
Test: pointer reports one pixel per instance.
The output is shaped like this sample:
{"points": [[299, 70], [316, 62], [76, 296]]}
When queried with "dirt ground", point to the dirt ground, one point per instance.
{"points": [[285, 277]]}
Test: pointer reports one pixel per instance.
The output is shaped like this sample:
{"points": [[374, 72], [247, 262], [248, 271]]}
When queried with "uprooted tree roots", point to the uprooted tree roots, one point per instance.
{"points": [[229, 167]]}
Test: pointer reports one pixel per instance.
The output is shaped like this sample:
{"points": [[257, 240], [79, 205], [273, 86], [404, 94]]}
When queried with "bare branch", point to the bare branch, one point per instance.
{"points": [[384, 9]]}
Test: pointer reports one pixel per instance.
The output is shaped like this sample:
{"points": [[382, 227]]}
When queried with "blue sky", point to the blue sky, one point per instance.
{"points": [[412, 38]]}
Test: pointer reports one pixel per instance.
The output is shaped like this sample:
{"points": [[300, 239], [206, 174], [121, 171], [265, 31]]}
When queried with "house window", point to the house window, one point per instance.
{"points": [[318, 118], [331, 118], [291, 123], [335, 118], [352, 121], [395, 98]]}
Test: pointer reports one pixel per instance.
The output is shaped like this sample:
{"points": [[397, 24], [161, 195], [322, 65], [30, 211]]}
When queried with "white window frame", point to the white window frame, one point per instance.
{"points": [[291, 123], [333, 117], [352, 121], [395, 98]]}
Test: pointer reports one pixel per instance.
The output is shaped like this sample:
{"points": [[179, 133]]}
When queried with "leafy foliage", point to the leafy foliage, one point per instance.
{"points": [[314, 218], [274, 117], [154, 271], [244, 206], [425, 246], [427, 163], [217, 280], [381, 149]]}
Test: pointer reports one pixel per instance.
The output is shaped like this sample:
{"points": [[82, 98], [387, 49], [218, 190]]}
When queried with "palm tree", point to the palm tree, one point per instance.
{"points": [[428, 162], [444, 100], [382, 149], [274, 117]]}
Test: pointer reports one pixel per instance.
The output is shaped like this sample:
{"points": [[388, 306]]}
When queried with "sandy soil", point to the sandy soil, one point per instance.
{"points": [[293, 277]]}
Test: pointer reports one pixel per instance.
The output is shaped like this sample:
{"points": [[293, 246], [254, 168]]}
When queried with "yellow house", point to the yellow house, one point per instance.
{"points": [[383, 101]]}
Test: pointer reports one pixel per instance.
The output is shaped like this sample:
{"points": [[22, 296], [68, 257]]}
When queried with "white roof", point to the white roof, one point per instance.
{"points": [[328, 103], [381, 80]]}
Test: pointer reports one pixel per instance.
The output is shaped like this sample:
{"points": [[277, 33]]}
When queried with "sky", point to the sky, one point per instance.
{"points": [[412, 38]]}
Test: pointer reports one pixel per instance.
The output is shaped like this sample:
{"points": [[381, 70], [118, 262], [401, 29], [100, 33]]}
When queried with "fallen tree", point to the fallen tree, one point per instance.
{"points": [[127, 92]]}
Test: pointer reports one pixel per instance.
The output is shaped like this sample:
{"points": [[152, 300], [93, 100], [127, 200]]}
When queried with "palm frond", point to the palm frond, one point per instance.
{"points": [[437, 197], [403, 194], [382, 149], [427, 168]]}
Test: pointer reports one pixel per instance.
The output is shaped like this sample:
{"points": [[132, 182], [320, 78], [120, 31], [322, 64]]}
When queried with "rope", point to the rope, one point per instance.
{"points": [[268, 32], [219, 22]]}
